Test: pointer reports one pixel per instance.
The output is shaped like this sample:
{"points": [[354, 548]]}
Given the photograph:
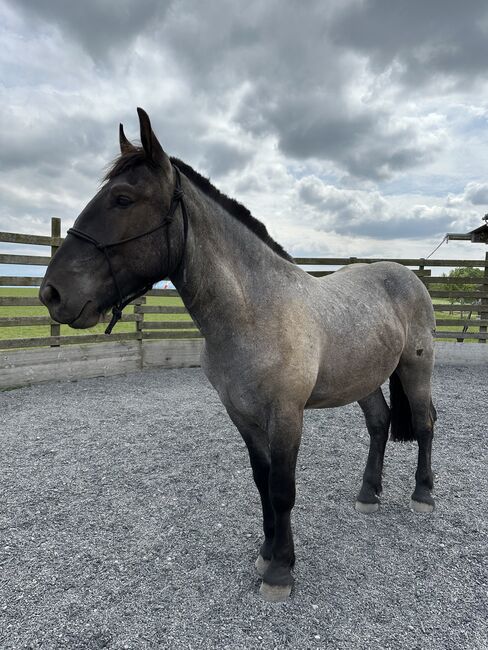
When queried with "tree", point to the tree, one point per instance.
{"points": [[457, 276], [457, 283]]}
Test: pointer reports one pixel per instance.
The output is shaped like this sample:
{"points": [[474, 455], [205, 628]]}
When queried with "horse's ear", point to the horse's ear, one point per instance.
{"points": [[125, 145], [153, 150]]}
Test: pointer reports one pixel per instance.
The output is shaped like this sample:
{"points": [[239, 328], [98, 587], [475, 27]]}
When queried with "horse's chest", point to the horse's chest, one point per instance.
{"points": [[223, 377]]}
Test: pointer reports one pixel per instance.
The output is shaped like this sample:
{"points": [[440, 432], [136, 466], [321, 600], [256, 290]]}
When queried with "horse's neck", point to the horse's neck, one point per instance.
{"points": [[226, 267]]}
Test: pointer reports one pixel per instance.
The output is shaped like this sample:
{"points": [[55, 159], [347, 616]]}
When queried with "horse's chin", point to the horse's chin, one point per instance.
{"points": [[88, 317]]}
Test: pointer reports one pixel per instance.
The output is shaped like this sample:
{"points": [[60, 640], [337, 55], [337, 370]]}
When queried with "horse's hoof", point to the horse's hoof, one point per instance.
{"points": [[275, 593], [261, 565], [367, 508], [420, 506]]}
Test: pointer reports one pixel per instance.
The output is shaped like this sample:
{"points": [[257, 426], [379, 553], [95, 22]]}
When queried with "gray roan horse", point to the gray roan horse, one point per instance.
{"points": [[277, 340]]}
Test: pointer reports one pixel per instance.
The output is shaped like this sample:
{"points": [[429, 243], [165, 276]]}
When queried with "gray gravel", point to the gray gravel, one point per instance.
{"points": [[128, 519]]}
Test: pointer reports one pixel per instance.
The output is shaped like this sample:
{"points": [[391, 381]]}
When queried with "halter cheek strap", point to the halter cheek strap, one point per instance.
{"points": [[176, 199]]}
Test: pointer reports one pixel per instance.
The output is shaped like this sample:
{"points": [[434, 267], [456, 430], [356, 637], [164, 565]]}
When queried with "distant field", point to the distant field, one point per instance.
{"points": [[446, 315], [44, 330]]}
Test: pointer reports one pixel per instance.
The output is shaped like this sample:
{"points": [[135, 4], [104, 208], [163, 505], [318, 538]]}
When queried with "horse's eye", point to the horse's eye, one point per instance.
{"points": [[123, 201]]}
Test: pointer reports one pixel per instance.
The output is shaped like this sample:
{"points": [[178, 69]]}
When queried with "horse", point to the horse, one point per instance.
{"points": [[276, 339]]}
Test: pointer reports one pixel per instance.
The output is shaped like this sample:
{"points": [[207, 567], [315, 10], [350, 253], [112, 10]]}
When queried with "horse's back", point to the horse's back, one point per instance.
{"points": [[369, 289], [397, 279]]}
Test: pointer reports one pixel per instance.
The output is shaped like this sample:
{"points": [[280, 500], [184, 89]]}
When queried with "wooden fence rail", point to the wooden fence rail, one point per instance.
{"points": [[460, 314]]}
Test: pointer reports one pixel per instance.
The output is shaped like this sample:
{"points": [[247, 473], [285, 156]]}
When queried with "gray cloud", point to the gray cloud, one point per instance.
{"points": [[399, 228], [359, 92], [425, 39], [476, 193], [291, 65], [368, 145], [298, 85], [359, 143], [50, 147], [368, 214], [221, 157], [99, 27]]}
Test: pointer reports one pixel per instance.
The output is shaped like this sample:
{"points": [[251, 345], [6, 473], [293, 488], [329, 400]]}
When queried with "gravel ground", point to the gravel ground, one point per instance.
{"points": [[128, 519]]}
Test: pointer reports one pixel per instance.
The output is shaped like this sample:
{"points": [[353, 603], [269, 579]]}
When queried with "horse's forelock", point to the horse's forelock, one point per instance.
{"points": [[126, 161]]}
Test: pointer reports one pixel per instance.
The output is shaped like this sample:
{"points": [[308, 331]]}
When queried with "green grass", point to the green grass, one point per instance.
{"points": [[34, 331], [457, 315]]}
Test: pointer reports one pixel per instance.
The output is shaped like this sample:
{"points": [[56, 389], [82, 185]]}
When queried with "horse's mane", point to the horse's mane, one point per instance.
{"points": [[137, 157]]}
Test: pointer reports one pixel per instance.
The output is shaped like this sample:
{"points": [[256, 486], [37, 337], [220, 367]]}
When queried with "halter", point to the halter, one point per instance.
{"points": [[176, 199]]}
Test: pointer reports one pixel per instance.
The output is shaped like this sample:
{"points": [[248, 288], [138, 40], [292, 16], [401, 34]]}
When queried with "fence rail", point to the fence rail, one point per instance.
{"points": [[461, 314]]}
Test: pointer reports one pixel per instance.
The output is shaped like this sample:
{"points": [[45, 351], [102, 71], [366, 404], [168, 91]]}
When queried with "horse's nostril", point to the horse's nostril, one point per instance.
{"points": [[50, 295]]}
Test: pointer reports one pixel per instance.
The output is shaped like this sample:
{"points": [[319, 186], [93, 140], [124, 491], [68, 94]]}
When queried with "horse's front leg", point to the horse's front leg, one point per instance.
{"points": [[256, 440], [284, 434]]}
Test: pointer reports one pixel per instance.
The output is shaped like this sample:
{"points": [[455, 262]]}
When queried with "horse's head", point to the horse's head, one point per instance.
{"points": [[123, 241]]}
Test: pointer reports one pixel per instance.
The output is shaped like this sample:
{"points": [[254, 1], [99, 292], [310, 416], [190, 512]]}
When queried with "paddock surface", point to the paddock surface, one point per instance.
{"points": [[129, 519]]}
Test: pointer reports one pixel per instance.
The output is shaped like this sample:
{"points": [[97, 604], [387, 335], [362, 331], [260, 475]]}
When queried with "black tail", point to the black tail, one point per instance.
{"points": [[401, 414]]}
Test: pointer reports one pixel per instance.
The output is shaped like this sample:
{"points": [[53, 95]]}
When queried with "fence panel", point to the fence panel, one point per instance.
{"points": [[461, 313]]}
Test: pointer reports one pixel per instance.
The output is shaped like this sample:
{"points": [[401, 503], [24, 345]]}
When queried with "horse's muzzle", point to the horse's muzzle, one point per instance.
{"points": [[49, 296], [76, 314]]}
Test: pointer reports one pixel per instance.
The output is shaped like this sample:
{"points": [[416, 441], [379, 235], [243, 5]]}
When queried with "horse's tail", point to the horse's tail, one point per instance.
{"points": [[401, 413]]}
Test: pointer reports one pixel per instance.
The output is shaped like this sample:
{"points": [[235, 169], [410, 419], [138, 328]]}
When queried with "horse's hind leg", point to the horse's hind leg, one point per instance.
{"points": [[377, 414], [415, 379]]}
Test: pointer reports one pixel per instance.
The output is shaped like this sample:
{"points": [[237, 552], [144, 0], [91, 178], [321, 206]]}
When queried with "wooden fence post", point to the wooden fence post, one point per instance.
{"points": [[139, 316], [484, 301], [55, 232]]}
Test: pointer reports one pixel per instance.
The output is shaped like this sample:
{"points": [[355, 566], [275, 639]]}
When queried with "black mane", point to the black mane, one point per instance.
{"points": [[137, 157]]}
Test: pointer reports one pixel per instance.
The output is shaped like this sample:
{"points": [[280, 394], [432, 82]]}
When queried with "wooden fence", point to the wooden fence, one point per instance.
{"points": [[461, 315]]}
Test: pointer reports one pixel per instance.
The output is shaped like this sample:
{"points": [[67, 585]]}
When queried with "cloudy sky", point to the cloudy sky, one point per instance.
{"points": [[349, 127]]}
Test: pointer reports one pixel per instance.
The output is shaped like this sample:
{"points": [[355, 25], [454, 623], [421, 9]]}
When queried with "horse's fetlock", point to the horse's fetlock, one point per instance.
{"points": [[424, 479], [368, 494], [422, 494], [266, 549], [278, 575]]}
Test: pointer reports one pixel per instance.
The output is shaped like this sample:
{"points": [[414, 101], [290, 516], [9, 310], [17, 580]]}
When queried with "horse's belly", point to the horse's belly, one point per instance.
{"points": [[331, 394], [351, 379], [325, 397]]}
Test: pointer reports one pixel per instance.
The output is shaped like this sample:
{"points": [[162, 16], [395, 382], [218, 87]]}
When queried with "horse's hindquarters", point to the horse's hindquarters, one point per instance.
{"points": [[371, 316]]}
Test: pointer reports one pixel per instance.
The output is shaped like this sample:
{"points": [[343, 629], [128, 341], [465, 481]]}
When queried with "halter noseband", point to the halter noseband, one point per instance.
{"points": [[176, 199]]}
